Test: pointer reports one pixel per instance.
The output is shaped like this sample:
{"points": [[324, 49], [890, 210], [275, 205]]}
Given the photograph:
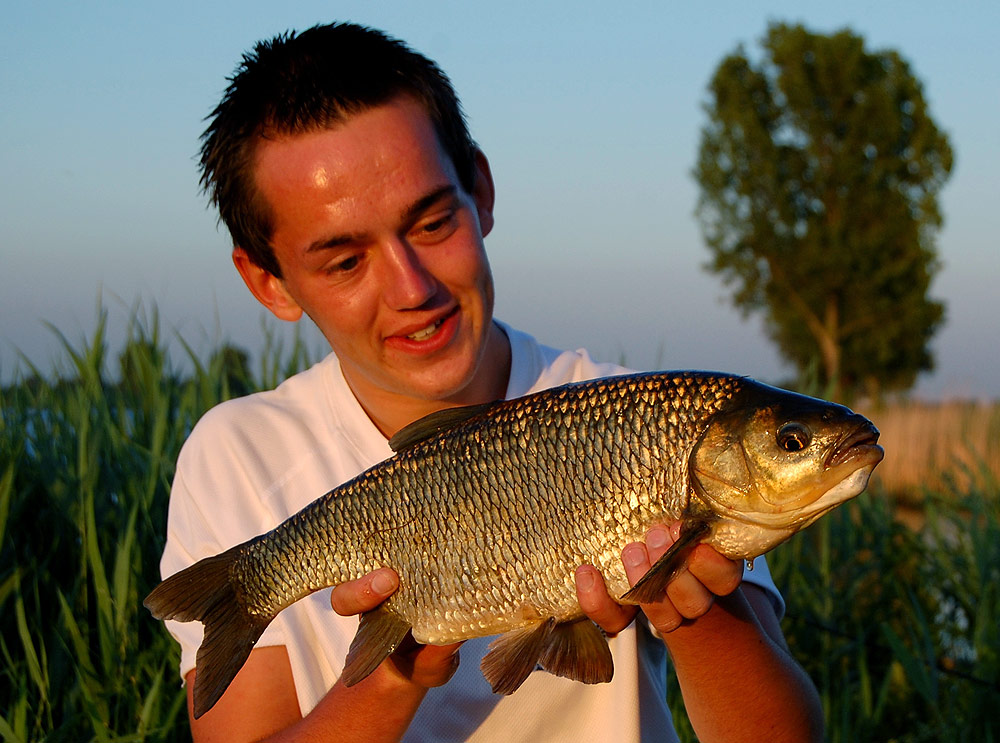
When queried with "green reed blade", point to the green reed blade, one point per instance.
{"points": [[6, 494], [16, 731], [35, 658]]}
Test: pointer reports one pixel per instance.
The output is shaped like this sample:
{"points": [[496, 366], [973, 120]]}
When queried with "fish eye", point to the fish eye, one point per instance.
{"points": [[794, 437]]}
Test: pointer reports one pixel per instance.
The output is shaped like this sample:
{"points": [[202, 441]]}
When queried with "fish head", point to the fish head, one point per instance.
{"points": [[776, 460]]}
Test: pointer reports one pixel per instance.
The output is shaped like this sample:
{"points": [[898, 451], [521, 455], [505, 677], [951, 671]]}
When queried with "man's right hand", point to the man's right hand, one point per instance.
{"points": [[424, 665]]}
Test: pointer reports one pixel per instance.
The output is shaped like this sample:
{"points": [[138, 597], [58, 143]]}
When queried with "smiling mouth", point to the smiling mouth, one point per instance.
{"points": [[425, 333]]}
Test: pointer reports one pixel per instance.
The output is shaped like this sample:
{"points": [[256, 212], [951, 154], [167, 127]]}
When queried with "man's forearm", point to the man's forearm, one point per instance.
{"points": [[739, 683], [378, 708]]}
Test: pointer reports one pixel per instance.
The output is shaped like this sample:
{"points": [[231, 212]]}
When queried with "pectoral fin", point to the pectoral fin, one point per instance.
{"points": [[650, 586], [380, 632]]}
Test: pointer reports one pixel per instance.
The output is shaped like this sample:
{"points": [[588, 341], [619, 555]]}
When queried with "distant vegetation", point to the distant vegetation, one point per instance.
{"points": [[951, 446], [820, 167], [898, 627]]}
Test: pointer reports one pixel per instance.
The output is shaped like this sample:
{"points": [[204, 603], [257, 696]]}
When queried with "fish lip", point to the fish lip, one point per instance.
{"points": [[860, 442]]}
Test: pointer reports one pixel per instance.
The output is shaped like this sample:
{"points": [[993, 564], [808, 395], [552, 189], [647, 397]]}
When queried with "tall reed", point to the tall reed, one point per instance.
{"points": [[85, 468]]}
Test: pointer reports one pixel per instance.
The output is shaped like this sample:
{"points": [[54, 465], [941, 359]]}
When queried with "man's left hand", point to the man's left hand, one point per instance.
{"points": [[688, 596]]}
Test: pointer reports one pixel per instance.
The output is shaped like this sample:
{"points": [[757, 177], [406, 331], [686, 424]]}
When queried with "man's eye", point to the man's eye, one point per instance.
{"points": [[437, 225], [347, 264]]}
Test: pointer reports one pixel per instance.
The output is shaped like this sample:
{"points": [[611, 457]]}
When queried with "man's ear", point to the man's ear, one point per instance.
{"points": [[484, 193], [268, 288]]}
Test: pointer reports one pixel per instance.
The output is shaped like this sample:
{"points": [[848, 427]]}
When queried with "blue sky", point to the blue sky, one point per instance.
{"points": [[589, 115]]}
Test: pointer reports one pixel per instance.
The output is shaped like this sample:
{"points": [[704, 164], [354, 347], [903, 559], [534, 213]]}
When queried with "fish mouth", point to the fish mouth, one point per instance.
{"points": [[860, 443]]}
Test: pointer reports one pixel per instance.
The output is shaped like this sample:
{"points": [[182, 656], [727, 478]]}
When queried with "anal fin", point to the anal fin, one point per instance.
{"points": [[576, 650], [513, 656], [379, 634], [650, 586], [579, 651]]}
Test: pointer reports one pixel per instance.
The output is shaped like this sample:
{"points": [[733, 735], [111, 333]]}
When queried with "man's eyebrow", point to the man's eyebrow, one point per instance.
{"points": [[331, 242], [433, 197], [409, 213]]}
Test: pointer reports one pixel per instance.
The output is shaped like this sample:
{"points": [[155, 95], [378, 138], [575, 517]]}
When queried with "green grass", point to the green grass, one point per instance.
{"points": [[898, 628]]}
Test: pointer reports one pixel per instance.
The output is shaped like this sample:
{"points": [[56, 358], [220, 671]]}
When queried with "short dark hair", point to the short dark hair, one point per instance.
{"points": [[303, 82]]}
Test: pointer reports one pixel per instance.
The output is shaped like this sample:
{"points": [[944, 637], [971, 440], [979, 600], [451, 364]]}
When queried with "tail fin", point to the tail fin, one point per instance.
{"points": [[205, 592]]}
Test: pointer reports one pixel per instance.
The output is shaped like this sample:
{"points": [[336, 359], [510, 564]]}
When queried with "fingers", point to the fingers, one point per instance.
{"points": [[719, 574], [638, 558], [365, 593], [603, 610], [426, 665], [691, 593]]}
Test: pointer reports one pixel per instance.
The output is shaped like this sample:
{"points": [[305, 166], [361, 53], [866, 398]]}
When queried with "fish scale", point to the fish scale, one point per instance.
{"points": [[485, 513]]}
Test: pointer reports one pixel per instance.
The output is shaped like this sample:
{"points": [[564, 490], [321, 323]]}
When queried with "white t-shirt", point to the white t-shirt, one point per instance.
{"points": [[252, 462]]}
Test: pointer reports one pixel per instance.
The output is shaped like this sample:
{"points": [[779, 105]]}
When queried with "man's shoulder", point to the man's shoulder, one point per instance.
{"points": [[300, 401], [292, 443], [536, 366]]}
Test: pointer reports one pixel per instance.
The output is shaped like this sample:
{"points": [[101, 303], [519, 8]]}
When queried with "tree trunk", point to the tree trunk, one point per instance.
{"points": [[829, 348]]}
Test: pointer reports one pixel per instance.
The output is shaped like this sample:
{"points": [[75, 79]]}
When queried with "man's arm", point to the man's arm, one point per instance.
{"points": [[261, 704], [737, 677]]}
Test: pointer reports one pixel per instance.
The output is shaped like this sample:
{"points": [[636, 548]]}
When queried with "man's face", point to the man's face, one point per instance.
{"points": [[382, 247]]}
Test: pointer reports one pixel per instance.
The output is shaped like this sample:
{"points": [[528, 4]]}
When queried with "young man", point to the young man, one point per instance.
{"points": [[341, 163]]}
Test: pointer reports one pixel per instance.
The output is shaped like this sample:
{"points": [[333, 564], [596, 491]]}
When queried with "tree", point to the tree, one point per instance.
{"points": [[819, 169]]}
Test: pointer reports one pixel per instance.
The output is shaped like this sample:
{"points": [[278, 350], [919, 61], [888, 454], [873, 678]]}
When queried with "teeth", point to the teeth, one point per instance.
{"points": [[422, 335]]}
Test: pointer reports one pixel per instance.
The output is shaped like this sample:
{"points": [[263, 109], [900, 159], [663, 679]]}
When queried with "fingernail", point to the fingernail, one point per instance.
{"points": [[585, 579], [383, 584], [633, 555], [657, 537]]}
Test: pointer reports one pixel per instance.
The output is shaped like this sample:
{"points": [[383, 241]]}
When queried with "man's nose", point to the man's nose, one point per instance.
{"points": [[408, 282]]}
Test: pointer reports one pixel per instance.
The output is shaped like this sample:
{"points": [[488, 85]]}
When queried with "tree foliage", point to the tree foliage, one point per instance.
{"points": [[819, 169]]}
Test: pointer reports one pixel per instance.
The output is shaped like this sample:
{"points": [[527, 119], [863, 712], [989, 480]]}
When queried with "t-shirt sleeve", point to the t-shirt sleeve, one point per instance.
{"points": [[760, 576]]}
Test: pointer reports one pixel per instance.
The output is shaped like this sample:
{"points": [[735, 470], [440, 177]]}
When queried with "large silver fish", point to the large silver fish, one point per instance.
{"points": [[486, 512]]}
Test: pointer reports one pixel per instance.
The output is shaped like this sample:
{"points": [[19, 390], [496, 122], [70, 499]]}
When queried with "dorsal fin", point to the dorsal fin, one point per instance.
{"points": [[441, 420]]}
